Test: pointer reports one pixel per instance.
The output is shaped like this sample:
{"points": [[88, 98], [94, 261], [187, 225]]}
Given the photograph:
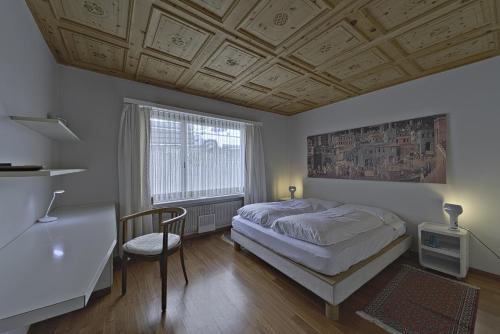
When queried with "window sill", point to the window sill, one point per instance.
{"points": [[199, 201]]}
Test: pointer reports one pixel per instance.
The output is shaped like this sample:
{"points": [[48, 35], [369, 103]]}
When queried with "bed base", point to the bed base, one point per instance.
{"points": [[332, 289]]}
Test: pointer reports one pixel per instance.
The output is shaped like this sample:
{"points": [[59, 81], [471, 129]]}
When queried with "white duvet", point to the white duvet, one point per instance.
{"points": [[266, 214], [335, 225]]}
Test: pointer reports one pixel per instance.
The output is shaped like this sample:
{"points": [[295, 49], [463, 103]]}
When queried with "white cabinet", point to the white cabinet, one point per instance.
{"points": [[444, 250]]}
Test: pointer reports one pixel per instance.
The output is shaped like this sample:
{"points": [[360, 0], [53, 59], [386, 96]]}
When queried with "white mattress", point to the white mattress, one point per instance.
{"points": [[328, 260]]}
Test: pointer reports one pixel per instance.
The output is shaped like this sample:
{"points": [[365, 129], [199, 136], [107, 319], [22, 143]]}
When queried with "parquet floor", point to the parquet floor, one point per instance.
{"points": [[235, 292]]}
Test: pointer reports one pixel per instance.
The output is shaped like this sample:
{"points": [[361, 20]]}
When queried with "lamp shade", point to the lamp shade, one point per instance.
{"points": [[453, 210]]}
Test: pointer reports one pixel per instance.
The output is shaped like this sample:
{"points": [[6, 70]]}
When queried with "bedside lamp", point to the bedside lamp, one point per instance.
{"points": [[454, 210], [47, 218], [292, 190]]}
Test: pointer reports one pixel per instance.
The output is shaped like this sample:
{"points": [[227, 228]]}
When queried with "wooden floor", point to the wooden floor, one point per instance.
{"points": [[234, 292]]}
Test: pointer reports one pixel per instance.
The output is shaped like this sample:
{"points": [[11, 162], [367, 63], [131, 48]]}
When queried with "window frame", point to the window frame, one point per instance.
{"points": [[184, 149]]}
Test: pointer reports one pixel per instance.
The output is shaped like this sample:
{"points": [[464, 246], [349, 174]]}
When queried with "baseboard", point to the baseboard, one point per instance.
{"points": [[484, 273], [414, 256], [206, 234]]}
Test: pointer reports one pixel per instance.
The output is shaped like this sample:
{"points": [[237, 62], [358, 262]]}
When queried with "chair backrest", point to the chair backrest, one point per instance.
{"points": [[175, 224], [172, 220]]}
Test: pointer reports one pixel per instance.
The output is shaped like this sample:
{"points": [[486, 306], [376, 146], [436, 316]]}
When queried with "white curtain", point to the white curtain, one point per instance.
{"points": [[195, 156], [255, 168], [133, 168]]}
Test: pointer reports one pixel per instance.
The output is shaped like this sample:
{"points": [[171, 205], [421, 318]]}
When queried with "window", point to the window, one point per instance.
{"points": [[193, 156]]}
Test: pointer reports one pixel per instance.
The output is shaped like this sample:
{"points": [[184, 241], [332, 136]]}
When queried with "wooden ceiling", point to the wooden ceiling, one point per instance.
{"points": [[283, 56]]}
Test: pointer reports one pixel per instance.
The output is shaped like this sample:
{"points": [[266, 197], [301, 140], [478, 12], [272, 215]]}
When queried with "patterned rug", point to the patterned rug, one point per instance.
{"points": [[415, 301]]}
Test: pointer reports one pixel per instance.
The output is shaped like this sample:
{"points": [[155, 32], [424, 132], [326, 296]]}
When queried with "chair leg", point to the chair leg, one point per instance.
{"points": [[182, 264], [124, 274], [163, 271]]}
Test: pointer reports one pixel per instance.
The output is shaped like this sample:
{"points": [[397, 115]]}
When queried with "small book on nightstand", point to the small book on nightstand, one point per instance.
{"points": [[443, 249]]}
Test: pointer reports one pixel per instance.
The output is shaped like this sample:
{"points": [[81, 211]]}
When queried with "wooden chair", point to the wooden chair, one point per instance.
{"points": [[155, 246]]}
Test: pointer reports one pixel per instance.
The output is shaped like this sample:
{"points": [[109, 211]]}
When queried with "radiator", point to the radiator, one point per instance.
{"points": [[206, 217], [206, 223]]}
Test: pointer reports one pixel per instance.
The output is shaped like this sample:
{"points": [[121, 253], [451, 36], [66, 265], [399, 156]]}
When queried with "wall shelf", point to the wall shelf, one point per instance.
{"points": [[50, 127], [42, 172]]}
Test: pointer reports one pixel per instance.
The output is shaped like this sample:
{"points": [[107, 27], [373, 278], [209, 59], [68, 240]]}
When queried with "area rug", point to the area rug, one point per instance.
{"points": [[416, 301]]}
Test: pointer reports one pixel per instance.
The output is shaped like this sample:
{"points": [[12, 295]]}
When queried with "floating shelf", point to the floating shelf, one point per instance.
{"points": [[42, 172], [50, 127]]}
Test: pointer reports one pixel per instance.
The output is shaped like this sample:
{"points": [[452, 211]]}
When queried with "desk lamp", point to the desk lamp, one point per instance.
{"points": [[47, 218]]}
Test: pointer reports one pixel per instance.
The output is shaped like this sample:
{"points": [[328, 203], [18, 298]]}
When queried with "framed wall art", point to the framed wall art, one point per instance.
{"points": [[409, 151]]}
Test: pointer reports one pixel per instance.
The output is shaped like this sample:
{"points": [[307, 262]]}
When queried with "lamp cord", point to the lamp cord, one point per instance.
{"points": [[475, 237]]}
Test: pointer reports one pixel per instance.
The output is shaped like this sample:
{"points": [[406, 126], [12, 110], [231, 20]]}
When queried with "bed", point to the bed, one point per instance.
{"points": [[332, 272]]}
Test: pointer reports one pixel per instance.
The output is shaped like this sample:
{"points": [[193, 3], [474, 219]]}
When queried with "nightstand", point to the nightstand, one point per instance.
{"points": [[444, 250]]}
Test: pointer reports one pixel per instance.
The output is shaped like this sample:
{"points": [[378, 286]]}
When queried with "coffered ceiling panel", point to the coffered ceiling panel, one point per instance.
{"points": [[470, 48], [392, 13], [325, 95], [282, 56], [457, 23], [357, 64], [243, 94], [292, 108], [330, 43], [275, 76], [217, 7], [380, 78], [93, 52], [174, 37], [232, 60], [108, 16], [161, 71], [207, 84], [272, 101], [303, 86], [273, 21]]}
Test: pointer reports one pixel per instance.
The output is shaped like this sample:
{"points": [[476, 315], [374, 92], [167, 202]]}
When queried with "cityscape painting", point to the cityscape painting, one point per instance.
{"points": [[407, 151]]}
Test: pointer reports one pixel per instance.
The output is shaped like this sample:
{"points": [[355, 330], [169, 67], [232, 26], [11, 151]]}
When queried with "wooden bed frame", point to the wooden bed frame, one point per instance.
{"points": [[332, 289]]}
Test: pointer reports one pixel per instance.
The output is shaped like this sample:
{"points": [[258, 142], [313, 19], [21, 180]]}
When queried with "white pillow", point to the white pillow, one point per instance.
{"points": [[321, 204], [327, 227], [387, 216]]}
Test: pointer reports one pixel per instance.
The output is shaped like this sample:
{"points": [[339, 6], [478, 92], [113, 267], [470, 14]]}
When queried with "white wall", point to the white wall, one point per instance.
{"points": [[27, 88], [92, 104], [470, 95]]}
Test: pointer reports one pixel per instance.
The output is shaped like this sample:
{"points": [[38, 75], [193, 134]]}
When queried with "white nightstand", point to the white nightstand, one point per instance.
{"points": [[444, 250]]}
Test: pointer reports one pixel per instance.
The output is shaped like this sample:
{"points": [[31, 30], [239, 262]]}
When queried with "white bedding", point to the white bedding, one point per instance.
{"points": [[266, 213], [335, 225], [327, 227], [328, 260]]}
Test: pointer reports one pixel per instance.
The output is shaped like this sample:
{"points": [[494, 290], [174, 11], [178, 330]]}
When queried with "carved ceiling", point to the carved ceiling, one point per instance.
{"points": [[282, 56]]}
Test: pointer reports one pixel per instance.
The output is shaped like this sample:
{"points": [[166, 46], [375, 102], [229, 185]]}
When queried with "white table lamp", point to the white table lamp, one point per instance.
{"points": [[47, 218], [454, 210]]}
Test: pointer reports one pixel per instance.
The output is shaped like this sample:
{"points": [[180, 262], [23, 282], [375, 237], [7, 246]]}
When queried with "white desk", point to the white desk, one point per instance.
{"points": [[52, 268]]}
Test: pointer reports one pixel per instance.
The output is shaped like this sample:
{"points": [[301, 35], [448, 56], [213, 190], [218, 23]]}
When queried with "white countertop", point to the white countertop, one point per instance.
{"points": [[56, 262]]}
